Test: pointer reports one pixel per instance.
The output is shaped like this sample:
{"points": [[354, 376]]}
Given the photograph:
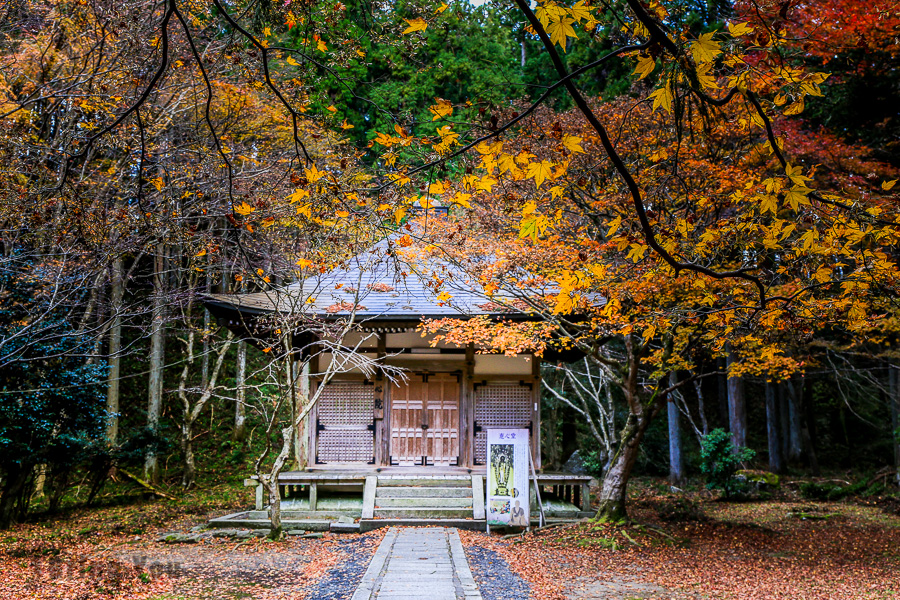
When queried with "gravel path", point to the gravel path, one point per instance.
{"points": [[494, 577], [341, 581]]}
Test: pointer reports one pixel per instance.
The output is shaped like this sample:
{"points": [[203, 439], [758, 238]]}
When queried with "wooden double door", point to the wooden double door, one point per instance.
{"points": [[425, 421]]}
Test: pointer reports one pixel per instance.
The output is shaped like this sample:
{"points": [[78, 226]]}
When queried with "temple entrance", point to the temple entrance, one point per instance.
{"points": [[425, 421]]}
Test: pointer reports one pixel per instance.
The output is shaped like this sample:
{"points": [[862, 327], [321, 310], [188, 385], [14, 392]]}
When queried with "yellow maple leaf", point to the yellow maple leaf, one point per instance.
{"points": [[539, 171], [415, 25], [201, 253], [662, 97], [362, 53], [442, 108], [321, 46], [462, 199], [444, 6], [645, 66], [572, 143], [332, 108], [346, 125], [704, 49], [580, 12], [314, 174], [444, 297], [157, 183], [298, 195], [560, 31], [739, 29], [887, 185], [796, 108], [303, 263], [290, 60], [244, 209], [436, 188]]}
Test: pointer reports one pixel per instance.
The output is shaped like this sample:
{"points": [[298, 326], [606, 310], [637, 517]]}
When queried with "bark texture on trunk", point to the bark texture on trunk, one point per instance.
{"points": [[676, 460], [722, 381], [795, 438], [737, 409], [894, 401], [776, 464], [157, 359], [13, 484], [277, 530], [240, 395], [117, 277]]}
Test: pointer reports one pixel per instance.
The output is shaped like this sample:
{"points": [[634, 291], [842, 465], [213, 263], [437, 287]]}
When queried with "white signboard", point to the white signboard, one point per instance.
{"points": [[507, 477]]}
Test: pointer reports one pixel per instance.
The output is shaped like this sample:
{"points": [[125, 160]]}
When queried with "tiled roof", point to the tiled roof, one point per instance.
{"points": [[381, 285]]}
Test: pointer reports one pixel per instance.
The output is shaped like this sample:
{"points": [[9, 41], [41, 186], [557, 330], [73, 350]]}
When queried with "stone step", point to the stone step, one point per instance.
{"points": [[423, 503], [469, 524], [429, 481], [423, 492], [423, 513]]}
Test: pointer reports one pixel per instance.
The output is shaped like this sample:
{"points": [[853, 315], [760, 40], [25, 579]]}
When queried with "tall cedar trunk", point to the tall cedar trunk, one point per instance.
{"points": [[776, 464], [784, 421], [722, 381], [737, 409], [240, 395], [795, 439], [157, 359], [809, 429], [894, 401], [676, 460], [117, 280]]}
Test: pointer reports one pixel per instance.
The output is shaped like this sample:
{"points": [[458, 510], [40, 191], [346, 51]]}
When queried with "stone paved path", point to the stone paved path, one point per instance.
{"points": [[427, 562]]}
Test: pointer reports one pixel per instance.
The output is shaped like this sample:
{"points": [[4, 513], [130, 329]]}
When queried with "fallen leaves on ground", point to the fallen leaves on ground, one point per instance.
{"points": [[750, 551]]}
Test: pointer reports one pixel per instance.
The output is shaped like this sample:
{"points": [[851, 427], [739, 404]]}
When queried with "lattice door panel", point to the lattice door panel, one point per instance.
{"points": [[407, 418], [345, 432], [425, 421], [499, 406], [442, 421]]}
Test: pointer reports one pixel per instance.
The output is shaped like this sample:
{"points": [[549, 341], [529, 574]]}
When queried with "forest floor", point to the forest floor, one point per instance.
{"points": [[785, 548]]}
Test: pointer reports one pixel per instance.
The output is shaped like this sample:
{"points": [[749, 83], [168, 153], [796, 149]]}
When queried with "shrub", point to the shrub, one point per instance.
{"points": [[720, 461]]}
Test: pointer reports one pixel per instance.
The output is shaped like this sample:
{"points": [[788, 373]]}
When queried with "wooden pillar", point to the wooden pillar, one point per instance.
{"points": [[536, 410], [382, 434], [313, 415], [467, 445]]}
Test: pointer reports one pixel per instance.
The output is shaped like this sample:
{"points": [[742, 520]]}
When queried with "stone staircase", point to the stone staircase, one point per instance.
{"points": [[454, 500]]}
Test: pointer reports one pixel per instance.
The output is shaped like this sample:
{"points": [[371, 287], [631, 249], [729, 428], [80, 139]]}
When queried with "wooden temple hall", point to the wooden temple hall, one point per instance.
{"points": [[398, 434]]}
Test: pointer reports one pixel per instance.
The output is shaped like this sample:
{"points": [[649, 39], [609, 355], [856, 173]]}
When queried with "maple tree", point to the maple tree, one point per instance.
{"points": [[647, 231]]}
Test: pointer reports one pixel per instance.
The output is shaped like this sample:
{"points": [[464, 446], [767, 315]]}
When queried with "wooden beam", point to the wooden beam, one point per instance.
{"points": [[536, 410]]}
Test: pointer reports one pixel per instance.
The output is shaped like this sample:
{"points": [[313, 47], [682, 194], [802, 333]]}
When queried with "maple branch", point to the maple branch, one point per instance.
{"points": [[531, 108], [164, 63], [207, 107], [264, 59], [773, 143], [622, 169]]}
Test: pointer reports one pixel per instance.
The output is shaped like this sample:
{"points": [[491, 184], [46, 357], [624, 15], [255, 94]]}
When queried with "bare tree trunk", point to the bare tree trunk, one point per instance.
{"points": [[115, 348], [776, 463], [157, 359], [271, 482], [785, 429], [722, 381], [240, 396], [737, 409], [894, 401], [614, 490], [676, 459]]}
